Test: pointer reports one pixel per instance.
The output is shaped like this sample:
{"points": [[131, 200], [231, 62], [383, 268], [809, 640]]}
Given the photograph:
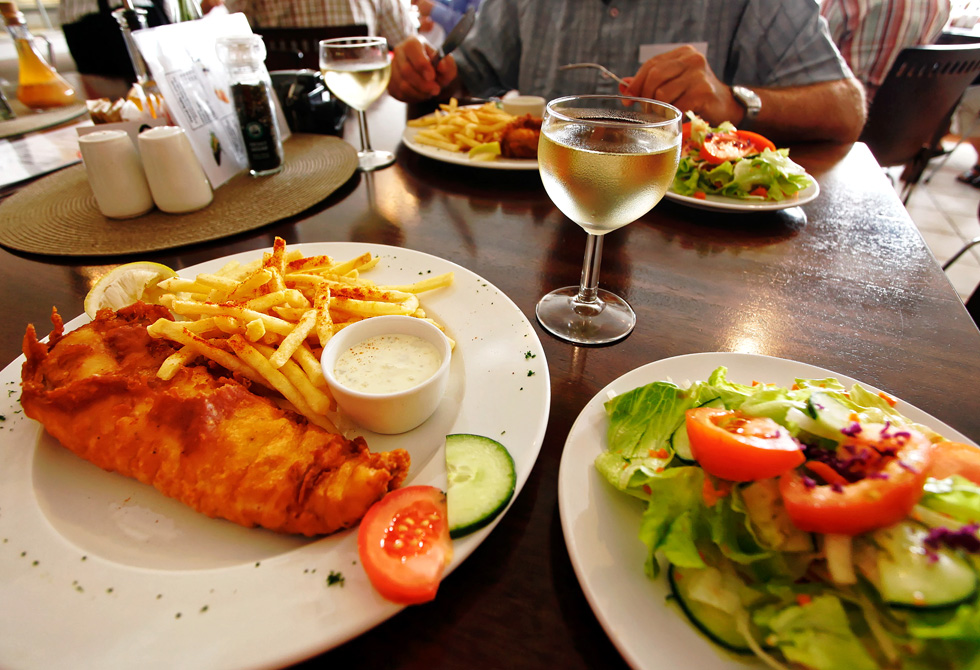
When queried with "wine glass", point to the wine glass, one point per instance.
{"points": [[605, 161], [357, 70]]}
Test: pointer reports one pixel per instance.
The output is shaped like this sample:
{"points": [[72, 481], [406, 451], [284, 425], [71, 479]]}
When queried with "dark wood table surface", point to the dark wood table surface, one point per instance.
{"points": [[850, 286]]}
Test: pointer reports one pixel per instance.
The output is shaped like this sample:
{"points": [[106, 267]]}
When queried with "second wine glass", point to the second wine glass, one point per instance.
{"points": [[357, 70], [605, 161]]}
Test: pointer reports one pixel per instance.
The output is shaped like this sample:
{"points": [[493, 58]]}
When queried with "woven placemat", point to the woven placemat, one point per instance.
{"points": [[28, 121], [57, 215]]}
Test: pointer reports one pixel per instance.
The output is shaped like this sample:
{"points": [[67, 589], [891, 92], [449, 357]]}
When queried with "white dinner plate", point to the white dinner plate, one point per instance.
{"points": [[100, 571], [720, 203], [461, 158], [601, 525]]}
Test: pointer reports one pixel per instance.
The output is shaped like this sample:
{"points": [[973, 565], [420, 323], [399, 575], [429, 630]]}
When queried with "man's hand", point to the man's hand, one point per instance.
{"points": [[831, 110], [425, 20], [683, 78], [413, 79]]}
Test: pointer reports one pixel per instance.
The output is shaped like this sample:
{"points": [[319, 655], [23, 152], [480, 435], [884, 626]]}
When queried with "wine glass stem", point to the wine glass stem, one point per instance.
{"points": [[365, 138], [588, 286]]}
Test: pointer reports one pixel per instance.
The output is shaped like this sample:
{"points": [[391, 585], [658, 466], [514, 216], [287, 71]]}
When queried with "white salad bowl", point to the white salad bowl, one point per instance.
{"points": [[396, 412]]}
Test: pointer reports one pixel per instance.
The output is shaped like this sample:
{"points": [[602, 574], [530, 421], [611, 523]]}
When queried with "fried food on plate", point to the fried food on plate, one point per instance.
{"points": [[202, 436], [520, 138], [482, 131]]}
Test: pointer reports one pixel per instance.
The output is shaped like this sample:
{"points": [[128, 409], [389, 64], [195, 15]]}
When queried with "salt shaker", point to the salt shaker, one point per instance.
{"points": [[250, 89], [115, 174], [177, 180]]}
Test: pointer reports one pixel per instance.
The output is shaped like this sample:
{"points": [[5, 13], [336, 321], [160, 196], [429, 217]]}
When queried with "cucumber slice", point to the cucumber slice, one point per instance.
{"points": [[908, 578], [679, 440], [715, 622], [481, 482], [828, 416]]}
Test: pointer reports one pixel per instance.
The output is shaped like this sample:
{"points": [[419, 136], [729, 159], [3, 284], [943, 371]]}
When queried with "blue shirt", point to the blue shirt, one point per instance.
{"points": [[520, 44], [447, 13]]}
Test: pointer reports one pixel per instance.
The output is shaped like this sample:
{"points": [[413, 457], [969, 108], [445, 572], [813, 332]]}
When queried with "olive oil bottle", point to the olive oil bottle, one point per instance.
{"points": [[39, 84]]}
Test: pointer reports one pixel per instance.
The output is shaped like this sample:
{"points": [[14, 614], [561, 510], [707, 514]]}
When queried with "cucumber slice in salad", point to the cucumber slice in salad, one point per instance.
{"points": [[907, 577], [481, 482], [824, 417], [708, 603], [679, 439]]}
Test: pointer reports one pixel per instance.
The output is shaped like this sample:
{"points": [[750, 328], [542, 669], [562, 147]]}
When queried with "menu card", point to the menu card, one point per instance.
{"points": [[182, 61]]}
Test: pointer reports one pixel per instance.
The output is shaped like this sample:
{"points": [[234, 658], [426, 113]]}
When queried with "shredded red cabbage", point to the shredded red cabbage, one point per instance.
{"points": [[965, 538]]}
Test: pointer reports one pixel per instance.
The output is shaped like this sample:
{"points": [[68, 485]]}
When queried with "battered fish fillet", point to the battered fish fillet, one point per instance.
{"points": [[203, 437]]}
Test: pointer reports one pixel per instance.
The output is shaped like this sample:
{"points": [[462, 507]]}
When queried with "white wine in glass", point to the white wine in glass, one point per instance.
{"points": [[357, 70], [605, 161]]}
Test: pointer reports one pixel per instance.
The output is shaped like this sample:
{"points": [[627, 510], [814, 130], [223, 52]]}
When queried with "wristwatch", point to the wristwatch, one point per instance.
{"points": [[748, 99]]}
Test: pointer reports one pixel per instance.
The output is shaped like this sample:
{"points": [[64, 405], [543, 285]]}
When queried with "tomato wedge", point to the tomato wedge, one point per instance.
{"points": [[730, 146], [404, 544], [955, 458], [895, 463], [740, 448]]}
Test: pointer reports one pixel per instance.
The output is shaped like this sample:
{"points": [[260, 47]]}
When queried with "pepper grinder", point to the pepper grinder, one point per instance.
{"points": [[252, 93]]}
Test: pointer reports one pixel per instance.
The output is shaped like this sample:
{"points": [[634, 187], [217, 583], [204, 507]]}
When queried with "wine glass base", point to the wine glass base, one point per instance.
{"points": [[608, 320], [374, 160]]}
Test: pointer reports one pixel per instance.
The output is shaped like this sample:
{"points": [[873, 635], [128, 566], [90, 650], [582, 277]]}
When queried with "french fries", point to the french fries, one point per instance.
{"points": [[268, 321], [456, 128]]}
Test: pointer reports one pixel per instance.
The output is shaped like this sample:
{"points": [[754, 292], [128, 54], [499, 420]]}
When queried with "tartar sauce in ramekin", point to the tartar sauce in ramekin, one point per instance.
{"points": [[387, 363]]}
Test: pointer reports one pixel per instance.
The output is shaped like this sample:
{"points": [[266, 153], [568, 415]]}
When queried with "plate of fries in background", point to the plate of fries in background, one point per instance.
{"points": [[118, 575], [466, 135]]}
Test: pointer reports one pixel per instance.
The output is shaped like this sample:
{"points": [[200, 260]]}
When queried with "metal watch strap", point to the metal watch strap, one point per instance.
{"points": [[749, 99]]}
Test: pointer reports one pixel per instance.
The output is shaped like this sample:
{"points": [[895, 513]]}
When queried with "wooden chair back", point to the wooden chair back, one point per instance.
{"points": [[299, 48]]}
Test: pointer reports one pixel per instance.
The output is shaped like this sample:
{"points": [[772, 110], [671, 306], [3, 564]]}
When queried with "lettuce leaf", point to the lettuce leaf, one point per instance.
{"points": [[816, 635], [772, 169], [955, 496], [640, 425], [678, 523]]}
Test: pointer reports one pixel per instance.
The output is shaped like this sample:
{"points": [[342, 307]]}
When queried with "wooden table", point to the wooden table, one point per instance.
{"points": [[853, 288]]}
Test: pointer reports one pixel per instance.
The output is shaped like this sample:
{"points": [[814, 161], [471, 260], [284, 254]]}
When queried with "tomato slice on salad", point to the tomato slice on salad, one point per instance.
{"points": [[885, 468], [720, 147], [404, 544], [955, 458], [740, 448]]}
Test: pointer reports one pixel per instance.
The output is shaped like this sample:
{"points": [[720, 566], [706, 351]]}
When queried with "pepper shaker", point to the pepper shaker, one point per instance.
{"points": [[252, 93]]}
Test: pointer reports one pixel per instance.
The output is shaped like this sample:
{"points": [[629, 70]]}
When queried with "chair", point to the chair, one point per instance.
{"points": [[911, 111], [973, 302], [299, 48]]}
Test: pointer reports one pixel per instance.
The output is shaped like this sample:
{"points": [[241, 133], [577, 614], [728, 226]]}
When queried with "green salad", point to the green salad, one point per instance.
{"points": [[734, 163], [812, 526]]}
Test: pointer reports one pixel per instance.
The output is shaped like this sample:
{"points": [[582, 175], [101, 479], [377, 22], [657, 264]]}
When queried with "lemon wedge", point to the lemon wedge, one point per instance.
{"points": [[485, 152], [125, 285]]}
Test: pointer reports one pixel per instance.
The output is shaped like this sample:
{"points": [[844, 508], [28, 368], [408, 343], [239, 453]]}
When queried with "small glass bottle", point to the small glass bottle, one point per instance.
{"points": [[252, 94], [145, 92], [187, 10], [39, 85]]}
